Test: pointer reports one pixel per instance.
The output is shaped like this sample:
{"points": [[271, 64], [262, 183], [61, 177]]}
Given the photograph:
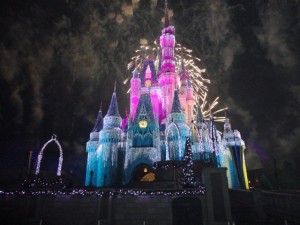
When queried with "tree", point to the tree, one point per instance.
{"points": [[188, 179]]}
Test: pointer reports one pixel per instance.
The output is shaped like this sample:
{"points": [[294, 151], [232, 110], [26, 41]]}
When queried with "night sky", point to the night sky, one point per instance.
{"points": [[59, 60]]}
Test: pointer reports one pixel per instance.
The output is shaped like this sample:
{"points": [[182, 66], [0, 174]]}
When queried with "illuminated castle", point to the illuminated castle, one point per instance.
{"points": [[155, 130]]}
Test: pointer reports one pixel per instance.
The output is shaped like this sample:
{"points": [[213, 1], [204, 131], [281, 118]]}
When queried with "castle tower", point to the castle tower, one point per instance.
{"points": [[200, 117], [186, 94], [233, 142], [214, 141], [206, 140], [143, 142], [149, 76], [150, 84], [109, 149], [167, 78], [177, 131], [190, 102], [91, 148], [197, 134]]}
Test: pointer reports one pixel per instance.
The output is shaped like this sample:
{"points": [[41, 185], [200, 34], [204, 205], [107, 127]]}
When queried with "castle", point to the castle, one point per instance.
{"points": [[161, 117]]}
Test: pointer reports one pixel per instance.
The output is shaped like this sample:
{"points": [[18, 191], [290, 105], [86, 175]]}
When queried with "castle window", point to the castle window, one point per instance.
{"points": [[148, 83]]}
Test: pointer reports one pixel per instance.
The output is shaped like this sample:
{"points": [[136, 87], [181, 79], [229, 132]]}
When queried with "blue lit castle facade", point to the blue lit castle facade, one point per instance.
{"points": [[160, 120]]}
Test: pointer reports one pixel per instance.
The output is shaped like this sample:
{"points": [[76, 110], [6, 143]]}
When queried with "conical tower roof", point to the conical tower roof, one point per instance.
{"points": [[99, 122], [135, 73], [113, 107], [176, 107], [183, 72], [200, 117], [144, 108], [184, 75], [149, 64]]}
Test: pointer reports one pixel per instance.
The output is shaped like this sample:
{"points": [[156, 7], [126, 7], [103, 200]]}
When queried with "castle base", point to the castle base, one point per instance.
{"points": [[125, 207]]}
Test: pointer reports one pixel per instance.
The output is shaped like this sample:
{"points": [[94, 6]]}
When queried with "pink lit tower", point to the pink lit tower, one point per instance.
{"points": [[186, 94], [168, 78]]}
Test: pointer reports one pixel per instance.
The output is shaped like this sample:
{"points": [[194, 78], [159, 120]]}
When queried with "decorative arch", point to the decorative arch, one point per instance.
{"points": [[40, 156]]}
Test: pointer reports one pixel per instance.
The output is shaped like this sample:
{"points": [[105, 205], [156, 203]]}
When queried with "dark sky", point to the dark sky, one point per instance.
{"points": [[59, 59]]}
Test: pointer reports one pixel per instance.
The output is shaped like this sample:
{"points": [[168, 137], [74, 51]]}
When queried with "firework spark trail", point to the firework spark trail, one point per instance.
{"points": [[198, 81]]}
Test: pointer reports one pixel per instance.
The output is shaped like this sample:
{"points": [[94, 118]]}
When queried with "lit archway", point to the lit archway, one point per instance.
{"points": [[143, 172], [40, 156]]}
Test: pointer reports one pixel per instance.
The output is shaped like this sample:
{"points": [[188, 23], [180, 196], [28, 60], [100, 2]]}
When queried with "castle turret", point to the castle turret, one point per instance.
{"points": [[149, 76], [236, 146], [167, 44], [186, 93], [91, 148], [200, 117], [190, 103], [125, 121], [200, 136], [176, 106], [109, 149], [150, 84]]}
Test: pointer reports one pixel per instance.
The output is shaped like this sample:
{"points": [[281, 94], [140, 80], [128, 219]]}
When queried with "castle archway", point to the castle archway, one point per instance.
{"points": [[143, 172]]}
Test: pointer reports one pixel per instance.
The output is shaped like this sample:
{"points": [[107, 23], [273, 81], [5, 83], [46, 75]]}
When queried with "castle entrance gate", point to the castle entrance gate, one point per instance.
{"points": [[143, 172]]}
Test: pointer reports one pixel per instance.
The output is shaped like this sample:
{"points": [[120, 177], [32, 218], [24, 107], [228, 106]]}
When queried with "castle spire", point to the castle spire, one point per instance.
{"points": [[176, 107], [227, 125], [99, 122], [184, 75], [167, 19], [113, 107], [200, 117], [135, 73]]}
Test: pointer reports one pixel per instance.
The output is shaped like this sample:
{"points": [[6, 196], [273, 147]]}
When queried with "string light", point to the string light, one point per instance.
{"points": [[188, 178], [37, 182], [40, 156], [112, 192]]}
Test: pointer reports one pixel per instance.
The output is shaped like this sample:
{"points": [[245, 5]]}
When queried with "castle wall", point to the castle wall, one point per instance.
{"points": [[90, 210], [248, 208]]}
